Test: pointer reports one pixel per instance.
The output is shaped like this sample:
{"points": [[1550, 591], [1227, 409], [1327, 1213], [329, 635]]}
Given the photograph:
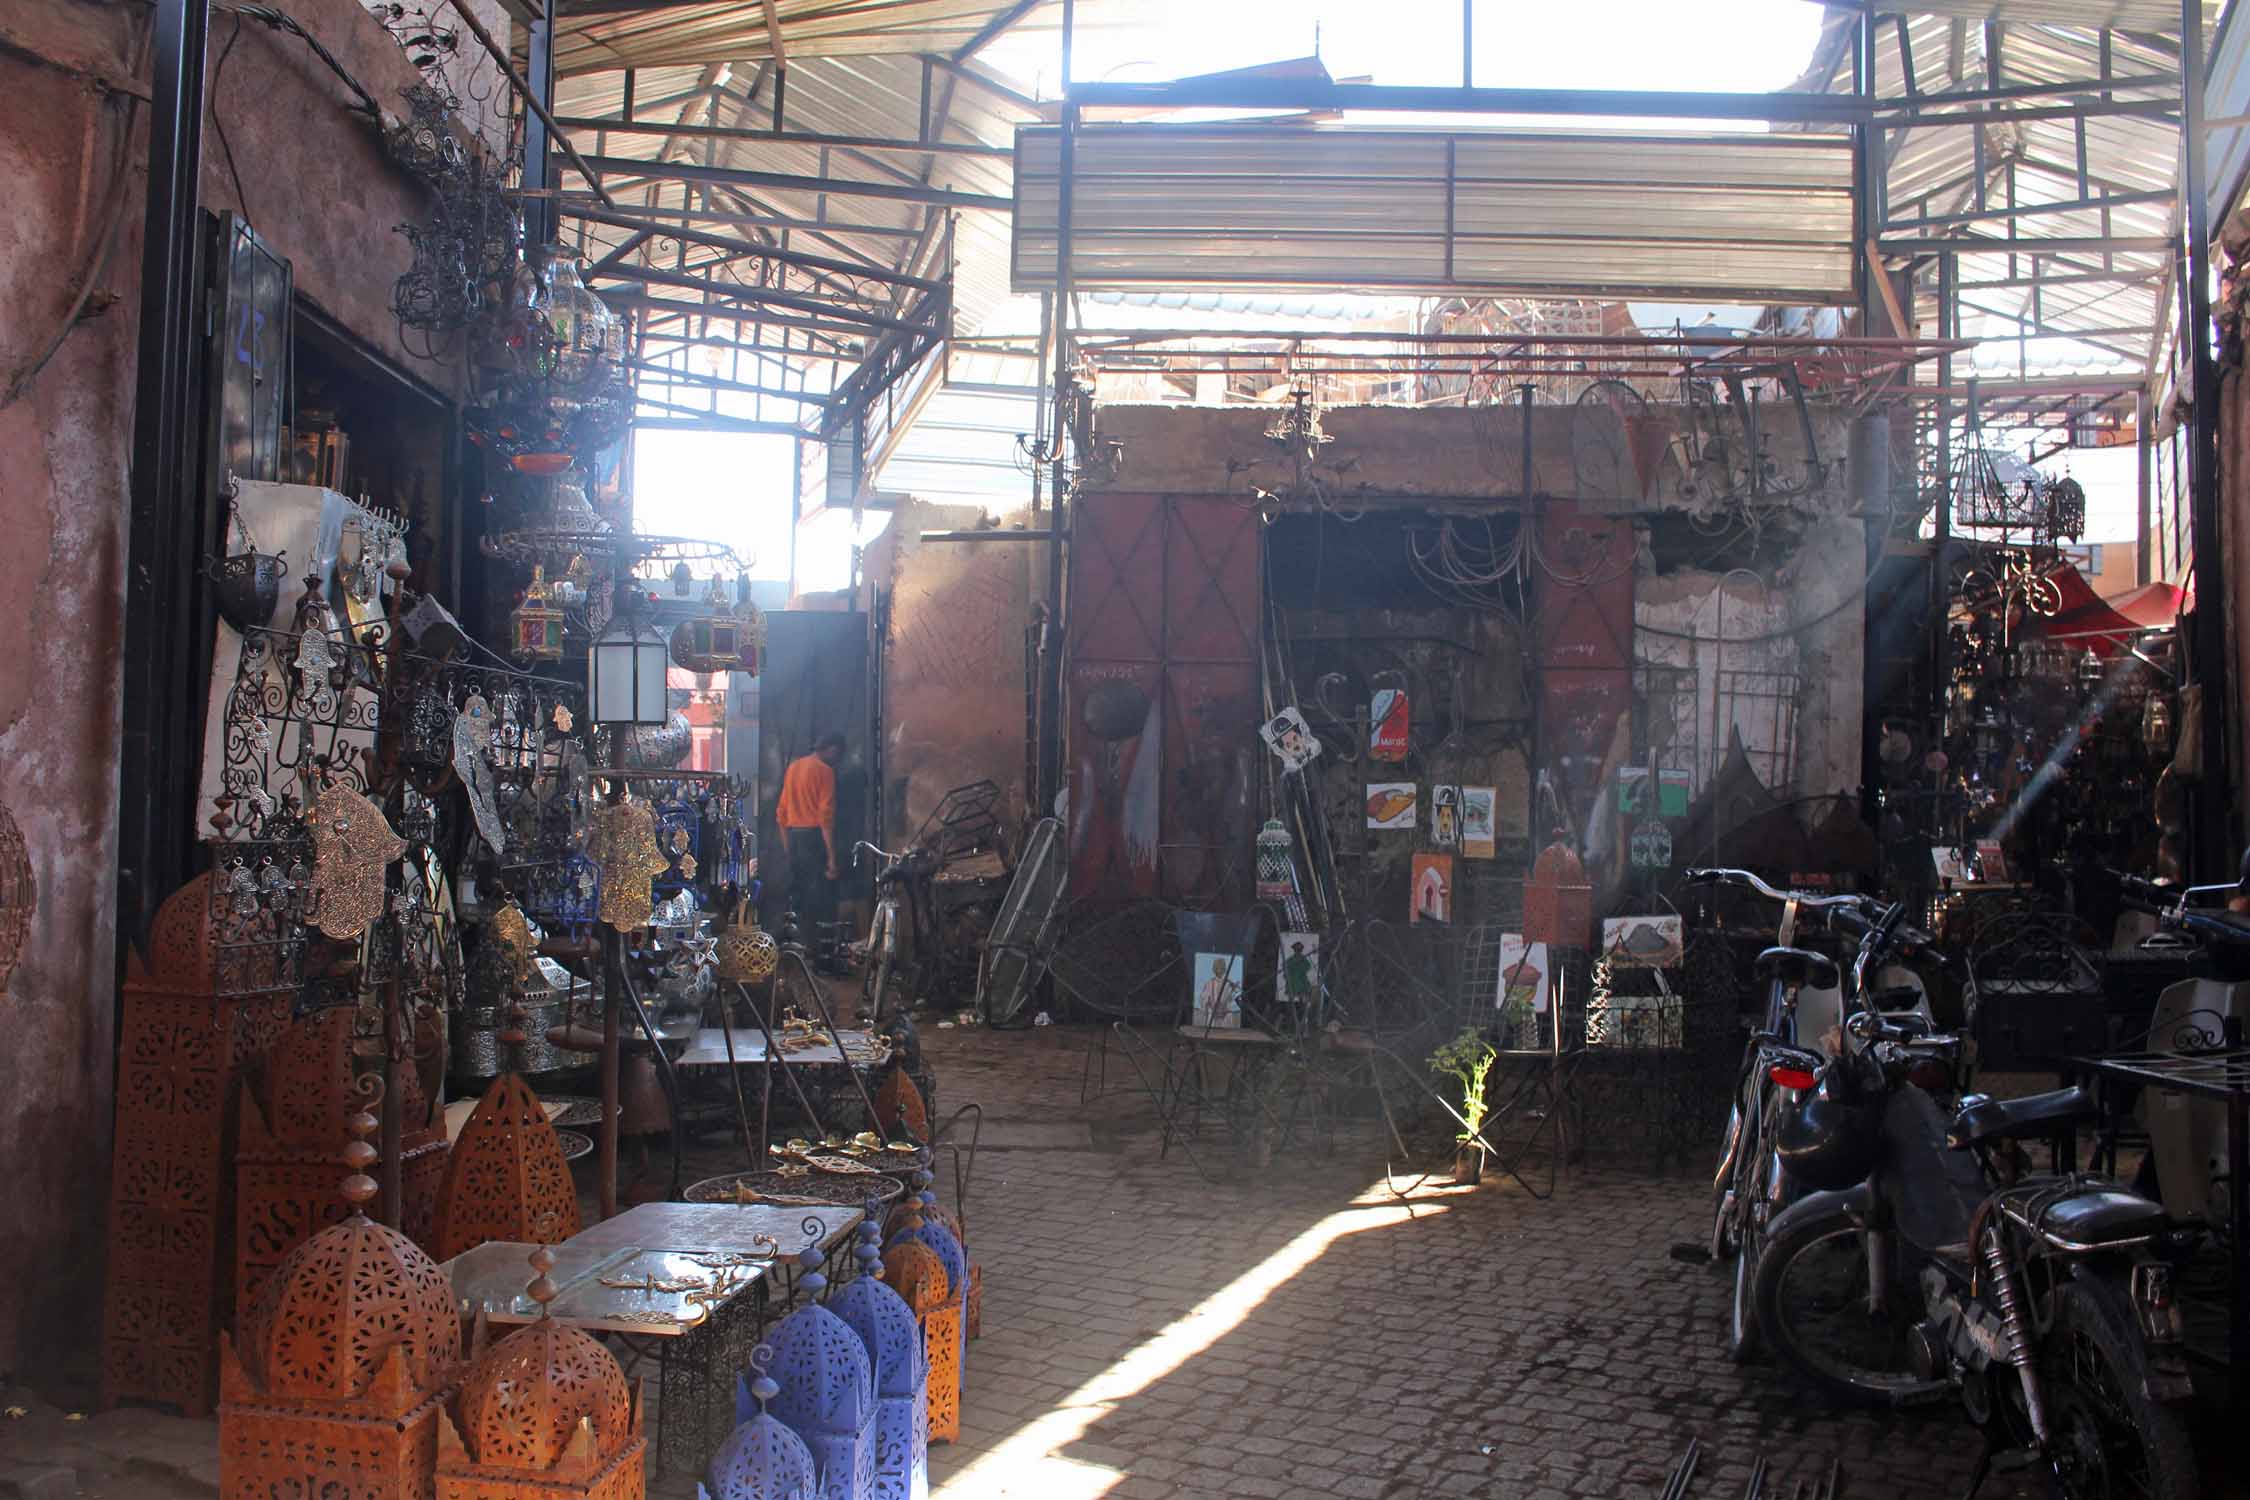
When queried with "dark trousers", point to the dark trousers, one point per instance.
{"points": [[811, 893]]}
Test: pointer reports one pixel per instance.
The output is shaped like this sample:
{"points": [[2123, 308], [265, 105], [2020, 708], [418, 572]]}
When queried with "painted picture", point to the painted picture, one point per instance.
{"points": [[1390, 804], [1652, 942], [1674, 790], [1445, 816], [1386, 724], [1522, 993], [1433, 888], [1218, 989], [1479, 821], [1297, 981], [1290, 738]]}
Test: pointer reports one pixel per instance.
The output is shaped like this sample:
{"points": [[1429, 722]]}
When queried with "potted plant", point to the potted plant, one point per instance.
{"points": [[1467, 1061]]}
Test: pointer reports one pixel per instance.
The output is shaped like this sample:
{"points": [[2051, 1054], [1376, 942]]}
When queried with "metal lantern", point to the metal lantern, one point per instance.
{"points": [[722, 638], [536, 625], [627, 670]]}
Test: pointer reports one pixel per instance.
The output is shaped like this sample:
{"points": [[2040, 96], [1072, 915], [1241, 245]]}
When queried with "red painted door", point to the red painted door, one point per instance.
{"points": [[1163, 636]]}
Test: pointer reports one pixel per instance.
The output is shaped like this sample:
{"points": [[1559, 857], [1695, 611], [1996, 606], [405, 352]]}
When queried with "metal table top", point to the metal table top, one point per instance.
{"points": [[613, 1289], [709, 1049], [2214, 1075], [720, 1226]]}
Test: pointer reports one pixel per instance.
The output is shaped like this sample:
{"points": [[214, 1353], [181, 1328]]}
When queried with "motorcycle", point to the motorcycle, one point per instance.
{"points": [[2045, 1302], [1805, 997]]}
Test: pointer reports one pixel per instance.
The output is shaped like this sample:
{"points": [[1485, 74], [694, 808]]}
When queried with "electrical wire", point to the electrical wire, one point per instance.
{"points": [[226, 146], [90, 273], [280, 20]]}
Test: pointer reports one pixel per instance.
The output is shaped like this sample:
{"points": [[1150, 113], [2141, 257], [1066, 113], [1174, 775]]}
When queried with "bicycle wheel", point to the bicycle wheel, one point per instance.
{"points": [[2110, 1439], [1811, 1300], [1736, 1202], [875, 1002]]}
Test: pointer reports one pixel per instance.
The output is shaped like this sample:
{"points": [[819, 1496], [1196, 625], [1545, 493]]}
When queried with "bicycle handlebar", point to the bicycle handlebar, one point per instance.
{"points": [[1748, 881]]}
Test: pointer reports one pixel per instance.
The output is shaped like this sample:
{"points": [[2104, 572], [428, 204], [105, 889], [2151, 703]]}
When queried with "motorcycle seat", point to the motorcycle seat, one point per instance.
{"points": [[1798, 966], [1985, 1119], [2102, 1215]]}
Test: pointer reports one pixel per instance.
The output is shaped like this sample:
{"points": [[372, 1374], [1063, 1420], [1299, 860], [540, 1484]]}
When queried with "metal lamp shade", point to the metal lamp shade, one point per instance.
{"points": [[626, 675]]}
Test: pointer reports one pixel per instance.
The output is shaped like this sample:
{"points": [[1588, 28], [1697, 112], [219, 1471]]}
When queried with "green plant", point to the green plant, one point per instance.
{"points": [[1467, 1060]]}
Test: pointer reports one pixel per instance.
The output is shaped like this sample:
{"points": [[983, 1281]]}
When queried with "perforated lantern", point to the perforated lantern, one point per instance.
{"points": [[1558, 901], [536, 625], [721, 639], [626, 670]]}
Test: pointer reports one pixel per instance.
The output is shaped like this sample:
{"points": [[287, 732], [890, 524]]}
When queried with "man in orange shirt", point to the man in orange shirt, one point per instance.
{"points": [[806, 815]]}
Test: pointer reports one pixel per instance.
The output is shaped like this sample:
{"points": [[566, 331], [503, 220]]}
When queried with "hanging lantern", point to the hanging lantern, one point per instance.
{"points": [[536, 625], [627, 668], [2091, 672], [1558, 899], [562, 394], [2156, 724], [721, 639]]}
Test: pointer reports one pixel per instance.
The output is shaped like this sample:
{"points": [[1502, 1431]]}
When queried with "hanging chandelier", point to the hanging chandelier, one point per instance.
{"points": [[560, 394]]}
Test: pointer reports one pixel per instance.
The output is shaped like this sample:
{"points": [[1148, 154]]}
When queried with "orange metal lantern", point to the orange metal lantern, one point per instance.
{"points": [[1558, 900], [543, 1414], [335, 1385], [915, 1273], [506, 1178]]}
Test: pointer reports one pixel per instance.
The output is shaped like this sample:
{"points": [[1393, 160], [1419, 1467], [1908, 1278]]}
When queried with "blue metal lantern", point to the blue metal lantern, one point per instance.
{"points": [[893, 1338], [828, 1390]]}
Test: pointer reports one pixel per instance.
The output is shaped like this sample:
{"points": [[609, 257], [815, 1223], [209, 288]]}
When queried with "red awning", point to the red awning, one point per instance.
{"points": [[2087, 618]]}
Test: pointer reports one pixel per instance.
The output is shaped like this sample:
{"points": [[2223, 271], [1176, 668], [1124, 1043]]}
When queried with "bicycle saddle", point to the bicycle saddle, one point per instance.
{"points": [[1798, 966]]}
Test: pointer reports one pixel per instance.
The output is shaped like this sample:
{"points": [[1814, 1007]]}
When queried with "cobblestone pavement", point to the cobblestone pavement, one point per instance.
{"points": [[1293, 1331], [1300, 1331]]}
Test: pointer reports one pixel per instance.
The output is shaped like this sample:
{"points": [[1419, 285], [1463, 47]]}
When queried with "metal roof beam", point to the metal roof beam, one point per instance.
{"points": [[993, 29], [839, 186], [760, 296], [2036, 210], [757, 221], [783, 137], [728, 312], [2164, 111], [718, 383], [738, 247], [1985, 244], [1235, 92], [2088, 86], [2073, 278]]}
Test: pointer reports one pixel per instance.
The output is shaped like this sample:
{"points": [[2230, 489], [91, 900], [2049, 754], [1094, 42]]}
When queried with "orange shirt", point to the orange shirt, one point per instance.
{"points": [[808, 794]]}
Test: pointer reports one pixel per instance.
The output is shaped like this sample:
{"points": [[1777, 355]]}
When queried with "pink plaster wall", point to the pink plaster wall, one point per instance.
{"points": [[319, 190]]}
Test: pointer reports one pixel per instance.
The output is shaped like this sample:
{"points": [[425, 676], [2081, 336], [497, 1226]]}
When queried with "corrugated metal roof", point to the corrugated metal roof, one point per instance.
{"points": [[735, 30], [2137, 15], [2031, 164], [1746, 216]]}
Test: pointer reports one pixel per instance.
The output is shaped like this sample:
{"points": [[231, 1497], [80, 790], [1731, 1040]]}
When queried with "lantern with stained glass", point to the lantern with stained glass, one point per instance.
{"points": [[721, 639], [627, 668], [536, 625]]}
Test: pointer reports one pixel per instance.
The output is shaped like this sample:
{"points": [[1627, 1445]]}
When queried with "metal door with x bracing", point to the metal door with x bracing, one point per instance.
{"points": [[1164, 707]]}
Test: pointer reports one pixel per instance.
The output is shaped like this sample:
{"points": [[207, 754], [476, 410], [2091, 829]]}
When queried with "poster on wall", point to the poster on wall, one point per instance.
{"points": [[1218, 991], [1390, 804], [1217, 946], [1479, 821], [1522, 993], [1297, 979], [1386, 724], [1433, 888], [1653, 942], [1445, 816], [1291, 739]]}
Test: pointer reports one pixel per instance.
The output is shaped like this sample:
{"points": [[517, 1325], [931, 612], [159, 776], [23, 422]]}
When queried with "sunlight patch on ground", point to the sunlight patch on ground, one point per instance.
{"points": [[1027, 1462]]}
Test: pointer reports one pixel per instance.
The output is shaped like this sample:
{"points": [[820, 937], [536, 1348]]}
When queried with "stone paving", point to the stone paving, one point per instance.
{"points": [[1297, 1330]]}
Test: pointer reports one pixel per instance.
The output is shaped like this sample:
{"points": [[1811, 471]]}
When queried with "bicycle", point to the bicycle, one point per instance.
{"points": [[1750, 1186], [893, 969]]}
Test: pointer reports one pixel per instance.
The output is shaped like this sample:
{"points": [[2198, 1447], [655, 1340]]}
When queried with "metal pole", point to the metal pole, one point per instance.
{"points": [[2144, 452], [1468, 43], [2216, 820], [1941, 666], [153, 854], [1050, 688], [613, 997], [539, 130]]}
